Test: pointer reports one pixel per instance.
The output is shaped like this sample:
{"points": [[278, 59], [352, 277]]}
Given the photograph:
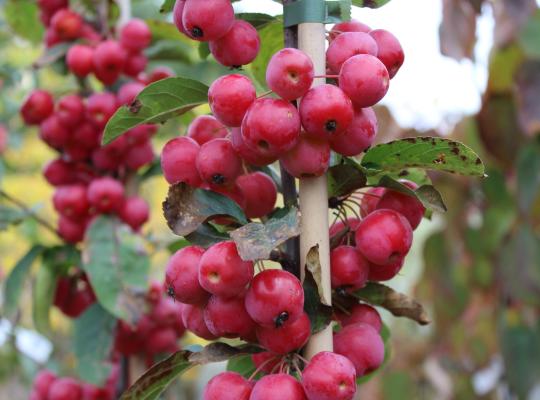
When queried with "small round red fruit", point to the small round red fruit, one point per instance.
{"points": [[410, 207], [359, 136], [238, 47], [346, 45], [260, 194], [290, 73], [284, 339], [218, 164], [349, 269], [193, 319], [178, 161], [390, 50], [80, 60], [227, 386], [135, 35], [182, 276], [249, 155], [207, 20], [71, 111], [106, 194], [309, 158], [205, 128], [67, 24], [230, 97], [278, 386], [349, 26], [227, 317], [64, 389], [109, 61], [70, 201], [135, 212], [37, 107], [361, 313]]}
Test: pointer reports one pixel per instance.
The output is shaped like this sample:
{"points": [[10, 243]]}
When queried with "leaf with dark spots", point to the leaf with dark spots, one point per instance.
{"points": [[344, 179], [255, 241], [186, 208], [397, 303], [315, 304]]}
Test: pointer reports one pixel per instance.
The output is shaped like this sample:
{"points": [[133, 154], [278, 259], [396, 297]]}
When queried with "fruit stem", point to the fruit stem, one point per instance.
{"points": [[269, 92], [326, 76]]}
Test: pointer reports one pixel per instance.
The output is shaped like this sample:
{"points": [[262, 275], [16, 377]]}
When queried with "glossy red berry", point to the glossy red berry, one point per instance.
{"points": [[106, 194], [178, 161], [227, 317], [80, 60], [249, 155], [238, 47], [139, 155], [350, 270], [218, 164], [329, 376], [390, 51], [67, 24], [349, 44], [309, 158], [364, 79], [370, 200], [43, 381], [109, 61], [227, 386], [193, 319], [182, 276], [325, 110], [222, 272], [278, 386], [100, 108], [207, 20], [71, 110], [271, 126], [178, 10], [70, 230], [128, 91], [361, 313], [410, 207], [70, 201], [230, 97], [205, 128], [275, 298], [362, 345], [37, 107], [290, 73], [260, 194], [384, 237], [58, 172], [349, 26], [161, 341], [135, 64], [135, 35], [385, 272], [65, 389], [135, 212], [52, 132], [284, 339], [359, 135]]}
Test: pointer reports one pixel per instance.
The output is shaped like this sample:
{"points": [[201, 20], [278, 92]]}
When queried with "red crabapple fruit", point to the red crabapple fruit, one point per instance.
{"points": [[207, 20], [290, 73], [230, 97], [106, 194], [218, 164], [135, 35], [309, 158], [37, 107], [193, 320], [67, 24], [410, 207], [227, 317], [349, 26], [284, 339], [349, 268], [227, 386], [182, 276], [238, 47], [390, 51], [64, 388], [80, 60], [260, 193], [359, 136], [349, 44], [252, 157], [178, 160], [135, 212], [205, 128], [361, 313], [278, 386]]}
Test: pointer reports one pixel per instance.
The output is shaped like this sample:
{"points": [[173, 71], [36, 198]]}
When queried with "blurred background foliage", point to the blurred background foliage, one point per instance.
{"points": [[476, 268]]}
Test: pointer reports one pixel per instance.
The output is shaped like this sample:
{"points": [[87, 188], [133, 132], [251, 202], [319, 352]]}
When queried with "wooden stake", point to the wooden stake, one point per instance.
{"points": [[314, 192]]}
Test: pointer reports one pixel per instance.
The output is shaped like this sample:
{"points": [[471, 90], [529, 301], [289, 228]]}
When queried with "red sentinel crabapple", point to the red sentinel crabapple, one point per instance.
{"points": [[271, 126], [65, 389], [70, 201], [80, 60], [227, 386], [370, 199], [160, 341], [71, 231], [245, 152], [385, 272], [218, 164], [350, 269], [43, 381], [135, 35], [139, 155], [222, 272], [361, 313], [390, 51], [193, 319], [309, 158], [325, 110], [346, 45], [384, 237], [106, 194], [135, 212], [278, 386], [275, 298], [37, 107], [67, 24], [290, 73], [205, 128], [359, 136], [410, 207], [128, 91], [329, 376], [100, 108], [135, 64], [178, 161], [260, 194], [284, 339], [71, 110], [362, 345], [349, 26], [230, 97], [207, 20], [182, 276], [364, 79], [238, 47], [228, 318], [109, 61], [52, 132], [178, 10], [159, 73]]}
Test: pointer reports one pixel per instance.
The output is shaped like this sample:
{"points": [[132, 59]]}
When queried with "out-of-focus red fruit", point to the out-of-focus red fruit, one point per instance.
{"points": [[205, 128], [160, 341], [71, 110], [70, 201], [260, 193], [238, 47], [160, 73], [309, 158], [140, 134], [52, 132], [106, 194], [71, 231], [58, 172], [135, 64], [139, 156], [349, 26], [43, 382], [100, 108], [109, 61], [65, 389], [3, 139], [135, 212], [67, 24], [135, 35], [80, 60], [128, 91], [37, 107]]}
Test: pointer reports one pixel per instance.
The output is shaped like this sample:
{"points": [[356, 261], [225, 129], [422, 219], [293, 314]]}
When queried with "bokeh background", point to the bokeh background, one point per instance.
{"points": [[472, 73]]}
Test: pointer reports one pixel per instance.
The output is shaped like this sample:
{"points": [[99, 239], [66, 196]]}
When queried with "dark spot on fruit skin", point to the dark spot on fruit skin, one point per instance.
{"points": [[478, 161], [455, 150], [281, 319], [403, 173], [197, 32], [331, 125], [263, 144], [170, 292], [135, 106], [218, 179]]}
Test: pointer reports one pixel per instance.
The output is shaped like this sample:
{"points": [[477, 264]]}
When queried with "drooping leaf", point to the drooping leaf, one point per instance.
{"points": [[315, 304], [424, 152], [22, 17], [255, 241], [206, 235], [344, 179], [186, 208], [167, 6], [11, 216], [271, 41], [52, 54], [154, 381], [117, 266], [92, 343], [13, 285], [204, 50], [43, 294], [244, 365], [457, 31], [397, 303], [157, 103]]}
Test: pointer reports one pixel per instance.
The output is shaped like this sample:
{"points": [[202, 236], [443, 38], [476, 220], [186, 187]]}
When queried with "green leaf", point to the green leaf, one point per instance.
{"points": [[344, 179], [22, 17], [416, 175], [92, 341], [315, 306], [424, 152], [13, 285], [528, 177], [530, 33], [117, 265], [154, 381], [255, 241], [11, 216], [243, 365], [206, 235], [369, 3], [338, 11], [397, 303], [157, 103], [186, 208], [43, 294], [258, 20], [271, 41], [52, 54], [167, 6], [204, 50]]}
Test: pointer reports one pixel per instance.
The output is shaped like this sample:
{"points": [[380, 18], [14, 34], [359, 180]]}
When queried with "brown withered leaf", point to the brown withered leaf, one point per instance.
{"points": [[315, 304]]}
